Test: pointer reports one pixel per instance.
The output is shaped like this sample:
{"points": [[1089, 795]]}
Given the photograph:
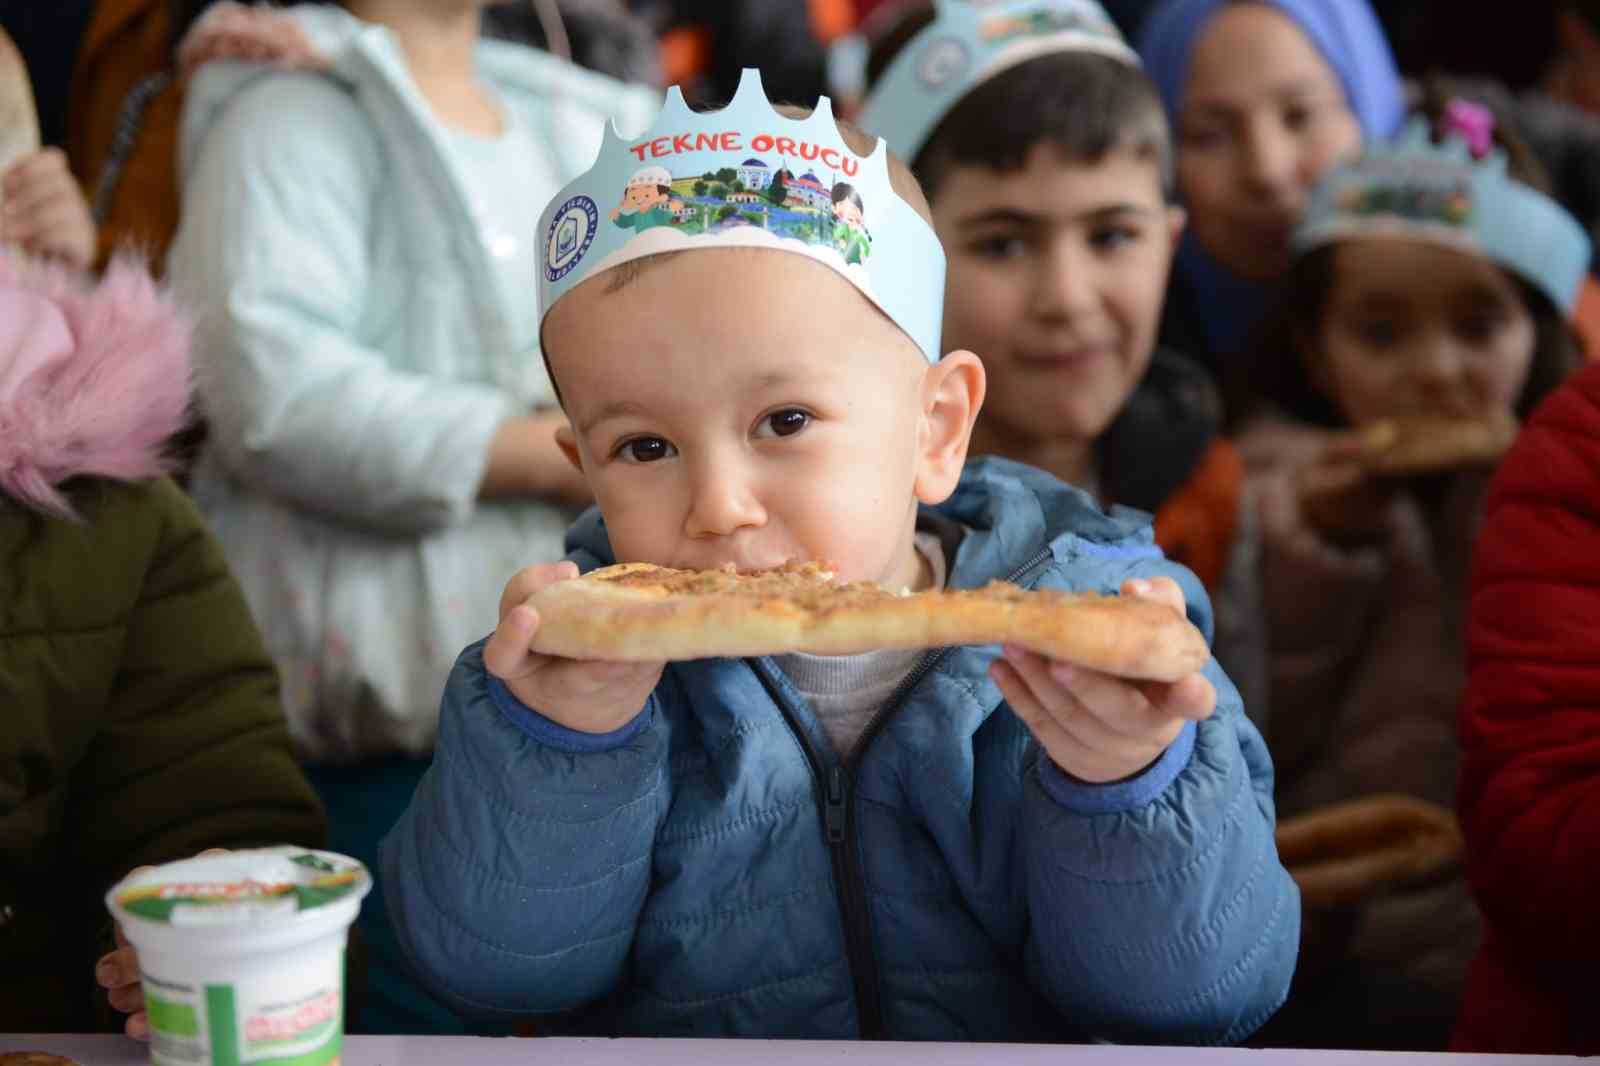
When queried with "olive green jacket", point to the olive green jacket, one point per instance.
{"points": [[139, 714]]}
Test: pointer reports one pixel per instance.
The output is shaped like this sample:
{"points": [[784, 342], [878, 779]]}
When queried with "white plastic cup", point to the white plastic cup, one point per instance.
{"points": [[242, 954]]}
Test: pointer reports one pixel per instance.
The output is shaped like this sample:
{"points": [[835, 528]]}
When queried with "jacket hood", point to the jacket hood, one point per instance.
{"points": [[1010, 513], [94, 378]]}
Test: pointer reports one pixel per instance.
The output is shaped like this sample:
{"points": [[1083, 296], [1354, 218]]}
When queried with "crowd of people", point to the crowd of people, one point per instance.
{"points": [[330, 332]]}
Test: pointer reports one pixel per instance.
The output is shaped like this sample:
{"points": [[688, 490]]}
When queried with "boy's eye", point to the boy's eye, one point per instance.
{"points": [[645, 450], [1000, 248], [784, 423], [1110, 238]]}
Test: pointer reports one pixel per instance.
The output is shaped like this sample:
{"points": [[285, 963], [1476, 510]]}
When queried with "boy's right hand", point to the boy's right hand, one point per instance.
{"points": [[583, 695], [1340, 501]]}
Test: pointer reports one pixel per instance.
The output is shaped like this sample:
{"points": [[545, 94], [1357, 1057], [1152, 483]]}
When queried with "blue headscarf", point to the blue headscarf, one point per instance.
{"points": [[1351, 41]]}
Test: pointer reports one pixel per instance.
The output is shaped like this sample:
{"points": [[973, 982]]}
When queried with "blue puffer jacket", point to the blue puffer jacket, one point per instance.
{"points": [[714, 869]]}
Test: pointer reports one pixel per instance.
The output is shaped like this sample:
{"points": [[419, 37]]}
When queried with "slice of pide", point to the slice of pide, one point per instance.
{"points": [[636, 612], [1403, 447]]}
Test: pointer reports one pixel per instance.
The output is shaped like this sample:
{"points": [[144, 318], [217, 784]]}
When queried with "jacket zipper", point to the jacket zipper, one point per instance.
{"points": [[838, 817]]}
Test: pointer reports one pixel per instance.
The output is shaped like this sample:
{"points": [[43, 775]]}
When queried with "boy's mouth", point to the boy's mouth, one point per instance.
{"points": [[1066, 358]]}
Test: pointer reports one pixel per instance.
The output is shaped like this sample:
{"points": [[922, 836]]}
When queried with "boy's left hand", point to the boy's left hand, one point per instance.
{"points": [[43, 211], [1098, 728]]}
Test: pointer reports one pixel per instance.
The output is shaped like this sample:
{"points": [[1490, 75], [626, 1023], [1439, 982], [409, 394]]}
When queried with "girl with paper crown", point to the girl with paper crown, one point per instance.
{"points": [[356, 236], [1429, 282]]}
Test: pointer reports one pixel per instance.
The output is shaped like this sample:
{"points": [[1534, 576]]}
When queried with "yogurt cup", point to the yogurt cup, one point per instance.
{"points": [[242, 954]]}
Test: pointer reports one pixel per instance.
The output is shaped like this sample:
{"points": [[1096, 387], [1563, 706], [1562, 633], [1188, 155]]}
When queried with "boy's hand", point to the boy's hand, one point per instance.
{"points": [[1096, 727], [1340, 502], [587, 696], [43, 211]]}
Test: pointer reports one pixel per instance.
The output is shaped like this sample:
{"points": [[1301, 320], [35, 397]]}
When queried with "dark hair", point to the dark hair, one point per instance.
{"points": [[845, 191], [1083, 104]]}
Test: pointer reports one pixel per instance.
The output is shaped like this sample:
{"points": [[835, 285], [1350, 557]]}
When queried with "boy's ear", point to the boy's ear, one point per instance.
{"points": [[952, 395], [567, 441]]}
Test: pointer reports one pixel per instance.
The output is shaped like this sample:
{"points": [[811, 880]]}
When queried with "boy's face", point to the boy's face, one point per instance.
{"points": [[1057, 276], [751, 407]]}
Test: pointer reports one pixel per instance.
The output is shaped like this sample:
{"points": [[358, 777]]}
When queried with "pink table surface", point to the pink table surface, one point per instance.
{"points": [[409, 1050]]}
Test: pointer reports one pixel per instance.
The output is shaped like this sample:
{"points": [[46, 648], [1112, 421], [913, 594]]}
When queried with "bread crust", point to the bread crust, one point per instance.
{"points": [[641, 613], [1407, 447], [1351, 853]]}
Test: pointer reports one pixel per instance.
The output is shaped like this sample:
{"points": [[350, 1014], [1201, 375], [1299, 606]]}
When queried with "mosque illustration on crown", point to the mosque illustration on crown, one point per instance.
{"points": [[755, 193]]}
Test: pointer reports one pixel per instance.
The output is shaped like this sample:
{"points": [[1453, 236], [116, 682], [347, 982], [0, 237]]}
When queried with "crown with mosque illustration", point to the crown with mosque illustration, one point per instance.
{"points": [[747, 176], [1454, 194], [970, 42]]}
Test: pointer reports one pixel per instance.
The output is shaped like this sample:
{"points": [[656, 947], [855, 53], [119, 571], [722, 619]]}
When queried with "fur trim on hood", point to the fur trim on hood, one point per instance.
{"points": [[94, 378]]}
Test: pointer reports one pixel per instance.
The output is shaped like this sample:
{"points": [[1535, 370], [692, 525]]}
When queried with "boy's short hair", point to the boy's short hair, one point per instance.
{"points": [[1084, 104]]}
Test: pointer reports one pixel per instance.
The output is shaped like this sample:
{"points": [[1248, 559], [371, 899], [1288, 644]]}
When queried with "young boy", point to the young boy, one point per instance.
{"points": [[1047, 161], [956, 845]]}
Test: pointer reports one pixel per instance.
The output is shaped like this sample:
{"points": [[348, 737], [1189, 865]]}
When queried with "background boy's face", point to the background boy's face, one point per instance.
{"points": [[1414, 329], [722, 418], [1057, 276], [1264, 118]]}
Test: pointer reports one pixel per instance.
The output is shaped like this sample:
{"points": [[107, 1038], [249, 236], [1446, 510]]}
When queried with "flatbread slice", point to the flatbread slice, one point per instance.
{"points": [[1352, 853], [19, 118], [1407, 447], [636, 612]]}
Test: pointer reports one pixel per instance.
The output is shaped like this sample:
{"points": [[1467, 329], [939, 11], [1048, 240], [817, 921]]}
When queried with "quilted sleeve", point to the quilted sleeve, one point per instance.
{"points": [[1160, 911], [1530, 721], [516, 877]]}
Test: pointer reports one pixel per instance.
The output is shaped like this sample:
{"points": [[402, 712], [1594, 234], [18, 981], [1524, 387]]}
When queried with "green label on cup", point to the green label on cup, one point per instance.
{"points": [[266, 1019]]}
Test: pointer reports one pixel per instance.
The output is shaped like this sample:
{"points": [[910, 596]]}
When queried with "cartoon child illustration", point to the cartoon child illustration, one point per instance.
{"points": [[647, 201], [849, 224]]}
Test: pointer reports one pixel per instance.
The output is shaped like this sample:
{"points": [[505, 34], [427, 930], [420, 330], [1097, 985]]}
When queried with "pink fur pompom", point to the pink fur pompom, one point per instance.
{"points": [[94, 378]]}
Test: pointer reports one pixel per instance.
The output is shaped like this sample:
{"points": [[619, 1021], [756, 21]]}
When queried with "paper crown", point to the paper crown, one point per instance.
{"points": [[1417, 190], [968, 43], [748, 177]]}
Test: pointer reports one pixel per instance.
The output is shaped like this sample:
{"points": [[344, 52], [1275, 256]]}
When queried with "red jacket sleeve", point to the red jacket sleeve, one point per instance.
{"points": [[1530, 790]]}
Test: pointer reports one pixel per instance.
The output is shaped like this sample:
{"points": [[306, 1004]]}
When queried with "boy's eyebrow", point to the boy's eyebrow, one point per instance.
{"points": [[1011, 216], [608, 411], [631, 408]]}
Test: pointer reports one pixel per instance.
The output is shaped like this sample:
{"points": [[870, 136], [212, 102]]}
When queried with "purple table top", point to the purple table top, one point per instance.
{"points": [[467, 1051]]}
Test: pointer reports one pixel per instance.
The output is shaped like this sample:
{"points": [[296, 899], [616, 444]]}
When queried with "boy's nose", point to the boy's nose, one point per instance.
{"points": [[723, 503], [1063, 287]]}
